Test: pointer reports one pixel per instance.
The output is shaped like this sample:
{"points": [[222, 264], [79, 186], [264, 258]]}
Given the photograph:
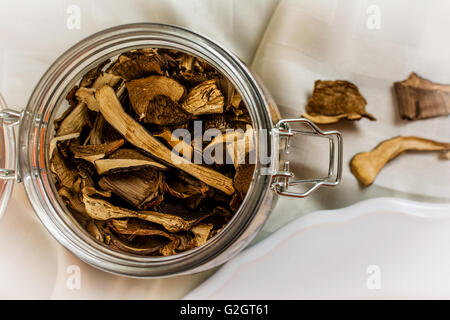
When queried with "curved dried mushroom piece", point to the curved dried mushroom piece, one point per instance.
{"points": [[173, 218], [125, 160], [419, 98], [139, 245], [205, 98], [162, 110], [332, 101], [132, 227], [143, 188], [138, 64], [243, 178], [141, 91], [366, 165], [65, 172], [94, 152], [183, 186]]}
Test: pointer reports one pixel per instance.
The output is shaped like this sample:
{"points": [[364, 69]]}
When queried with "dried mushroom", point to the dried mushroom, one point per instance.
{"points": [[332, 101], [366, 165], [142, 91], [204, 99], [125, 160], [419, 98], [127, 177], [95, 151], [142, 188]]}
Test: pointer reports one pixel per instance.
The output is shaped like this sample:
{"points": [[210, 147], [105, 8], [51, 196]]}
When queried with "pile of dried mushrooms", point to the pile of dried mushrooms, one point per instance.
{"points": [[112, 155]]}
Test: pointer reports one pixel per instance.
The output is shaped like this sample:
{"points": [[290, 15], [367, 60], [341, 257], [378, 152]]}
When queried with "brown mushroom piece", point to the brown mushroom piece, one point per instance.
{"points": [[200, 235], [141, 91], [419, 98], [133, 227], [142, 188], [162, 110], [184, 186], [139, 64], [65, 171], [205, 98], [125, 160], [332, 101], [178, 145], [366, 165], [139, 245], [172, 217], [243, 178], [94, 152], [134, 133]]}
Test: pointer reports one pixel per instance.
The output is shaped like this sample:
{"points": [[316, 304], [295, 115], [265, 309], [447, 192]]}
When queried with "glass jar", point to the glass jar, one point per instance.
{"points": [[31, 162]]}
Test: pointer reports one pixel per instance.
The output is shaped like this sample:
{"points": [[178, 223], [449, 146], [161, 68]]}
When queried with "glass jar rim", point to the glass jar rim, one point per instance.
{"points": [[35, 132]]}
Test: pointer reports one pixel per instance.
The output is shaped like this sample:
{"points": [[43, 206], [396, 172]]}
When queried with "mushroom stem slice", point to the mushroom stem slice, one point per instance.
{"points": [[124, 160], [366, 165], [94, 152], [204, 99], [176, 221], [134, 133]]}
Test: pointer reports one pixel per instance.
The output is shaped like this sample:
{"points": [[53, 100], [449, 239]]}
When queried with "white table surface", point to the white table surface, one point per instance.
{"points": [[304, 32]]}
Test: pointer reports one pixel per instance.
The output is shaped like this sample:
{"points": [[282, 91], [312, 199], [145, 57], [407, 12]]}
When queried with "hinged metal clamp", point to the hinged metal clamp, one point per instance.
{"points": [[283, 180], [11, 118]]}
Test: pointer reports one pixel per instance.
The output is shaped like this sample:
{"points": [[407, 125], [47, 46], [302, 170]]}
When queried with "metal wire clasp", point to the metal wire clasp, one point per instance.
{"points": [[11, 118], [283, 179]]}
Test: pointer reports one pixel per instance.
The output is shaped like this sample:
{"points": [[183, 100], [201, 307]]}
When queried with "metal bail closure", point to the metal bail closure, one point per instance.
{"points": [[284, 179], [10, 118]]}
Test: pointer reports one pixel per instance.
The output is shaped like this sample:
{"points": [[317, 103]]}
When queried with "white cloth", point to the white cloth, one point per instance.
{"points": [[305, 40]]}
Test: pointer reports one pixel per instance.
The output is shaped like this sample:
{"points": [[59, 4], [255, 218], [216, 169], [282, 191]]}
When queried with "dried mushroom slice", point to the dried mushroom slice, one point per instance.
{"points": [[243, 178], [73, 200], [139, 64], [125, 160], [173, 218], [54, 142], [87, 96], [141, 188], [200, 235], [332, 101], [139, 246], [141, 91], [205, 98], [65, 172], [134, 133], [179, 145], [90, 76], [183, 186], [94, 152], [133, 227], [162, 110], [366, 165], [74, 121], [419, 98]]}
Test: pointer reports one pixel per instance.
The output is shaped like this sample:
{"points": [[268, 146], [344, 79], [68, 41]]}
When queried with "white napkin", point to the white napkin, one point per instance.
{"points": [[372, 44]]}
